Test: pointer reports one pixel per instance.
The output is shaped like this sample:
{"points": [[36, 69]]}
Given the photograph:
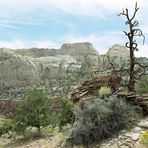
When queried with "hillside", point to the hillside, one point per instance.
{"points": [[49, 69]]}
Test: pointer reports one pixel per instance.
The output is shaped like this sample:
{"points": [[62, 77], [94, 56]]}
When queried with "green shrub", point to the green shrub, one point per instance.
{"points": [[142, 85], [5, 127], [105, 91], [100, 119], [1, 131], [144, 137], [33, 111], [66, 116]]}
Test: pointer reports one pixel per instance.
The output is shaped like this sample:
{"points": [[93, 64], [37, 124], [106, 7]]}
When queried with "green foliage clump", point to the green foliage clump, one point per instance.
{"points": [[144, 138], [5, 127], [100, 119], [105, 91], [1, 131], [142, 85], [66, 116], [33, 111]]}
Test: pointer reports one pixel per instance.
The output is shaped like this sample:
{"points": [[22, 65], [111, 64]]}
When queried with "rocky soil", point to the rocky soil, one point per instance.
{"points": [[125, 139], [128, 139]]}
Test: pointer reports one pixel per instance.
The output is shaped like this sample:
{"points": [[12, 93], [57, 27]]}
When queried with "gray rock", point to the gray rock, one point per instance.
{"points": [[118, 51], [57, 70], [16, 71], [37, 52], [78, 49], [137, 130], [143, 124], [135, 136]]}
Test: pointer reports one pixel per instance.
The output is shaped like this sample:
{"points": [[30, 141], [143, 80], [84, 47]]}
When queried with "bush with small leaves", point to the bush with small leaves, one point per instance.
{"points": [[105, 91], [100, 119]]}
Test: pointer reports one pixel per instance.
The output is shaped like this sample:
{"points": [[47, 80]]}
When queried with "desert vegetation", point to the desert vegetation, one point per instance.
{"points": [[142, 85], [36, 111], [101, 107], [100, 119]]}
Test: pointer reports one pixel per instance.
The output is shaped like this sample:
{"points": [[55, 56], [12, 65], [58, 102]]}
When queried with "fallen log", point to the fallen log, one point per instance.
{"points": [[136, 100], [91, 87]]}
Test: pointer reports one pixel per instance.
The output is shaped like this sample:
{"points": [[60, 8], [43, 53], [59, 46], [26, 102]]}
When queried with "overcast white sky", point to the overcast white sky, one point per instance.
{"points": [[50, 23]]}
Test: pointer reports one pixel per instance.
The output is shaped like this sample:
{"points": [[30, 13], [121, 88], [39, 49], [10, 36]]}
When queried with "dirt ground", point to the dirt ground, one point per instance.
{"points": [[43, 142]]}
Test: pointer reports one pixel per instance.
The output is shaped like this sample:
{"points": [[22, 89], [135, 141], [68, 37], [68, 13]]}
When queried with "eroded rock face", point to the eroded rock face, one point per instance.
{"points": [[79, 49], [39, 67], [119, 55], [55, 67], [37, 52], [16, 71], [118, 51]]}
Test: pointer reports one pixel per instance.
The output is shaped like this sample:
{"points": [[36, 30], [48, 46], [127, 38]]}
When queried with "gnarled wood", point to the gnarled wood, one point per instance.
{"points": [[132, 45]]}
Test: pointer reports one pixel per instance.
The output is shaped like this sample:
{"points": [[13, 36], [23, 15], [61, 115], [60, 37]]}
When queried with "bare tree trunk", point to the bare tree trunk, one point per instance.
{"points": [[131, 44]]}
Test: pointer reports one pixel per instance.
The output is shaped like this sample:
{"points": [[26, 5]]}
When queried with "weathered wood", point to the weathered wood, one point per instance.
{"points": [[91, 87], [138, 100]]}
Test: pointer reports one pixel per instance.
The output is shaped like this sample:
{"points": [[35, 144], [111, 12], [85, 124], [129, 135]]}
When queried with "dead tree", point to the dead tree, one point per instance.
{"points": [[133, 32]]}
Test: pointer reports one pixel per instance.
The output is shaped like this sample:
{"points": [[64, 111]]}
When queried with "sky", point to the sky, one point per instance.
{"points": [[50, 23]]}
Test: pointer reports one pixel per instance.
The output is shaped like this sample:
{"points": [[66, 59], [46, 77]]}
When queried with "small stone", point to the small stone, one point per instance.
{"points": [[123, 131], [128, 134], [124, 146], [137, 130], [119, 143], [135, 137], [143, 124]]}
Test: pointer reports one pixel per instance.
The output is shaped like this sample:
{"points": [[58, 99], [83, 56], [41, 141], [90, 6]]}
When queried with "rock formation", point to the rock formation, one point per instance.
{"points": [[16, 71], [55, 67], [37, 52], [47, 68], [78, 50], [118, 51]]}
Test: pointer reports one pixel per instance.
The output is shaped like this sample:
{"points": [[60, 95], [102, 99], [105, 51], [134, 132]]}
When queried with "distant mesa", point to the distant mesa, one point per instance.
{"points": [[73, 49], [81, 49]]}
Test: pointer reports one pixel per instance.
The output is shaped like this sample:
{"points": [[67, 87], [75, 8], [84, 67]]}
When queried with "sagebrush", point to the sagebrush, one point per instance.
{"points": [[100, 119], [105, 91], [142, 85]]}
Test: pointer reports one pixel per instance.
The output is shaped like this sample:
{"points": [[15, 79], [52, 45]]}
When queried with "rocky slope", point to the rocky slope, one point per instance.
{"points": [[16, 71], [49, 68], [128, 139]]}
